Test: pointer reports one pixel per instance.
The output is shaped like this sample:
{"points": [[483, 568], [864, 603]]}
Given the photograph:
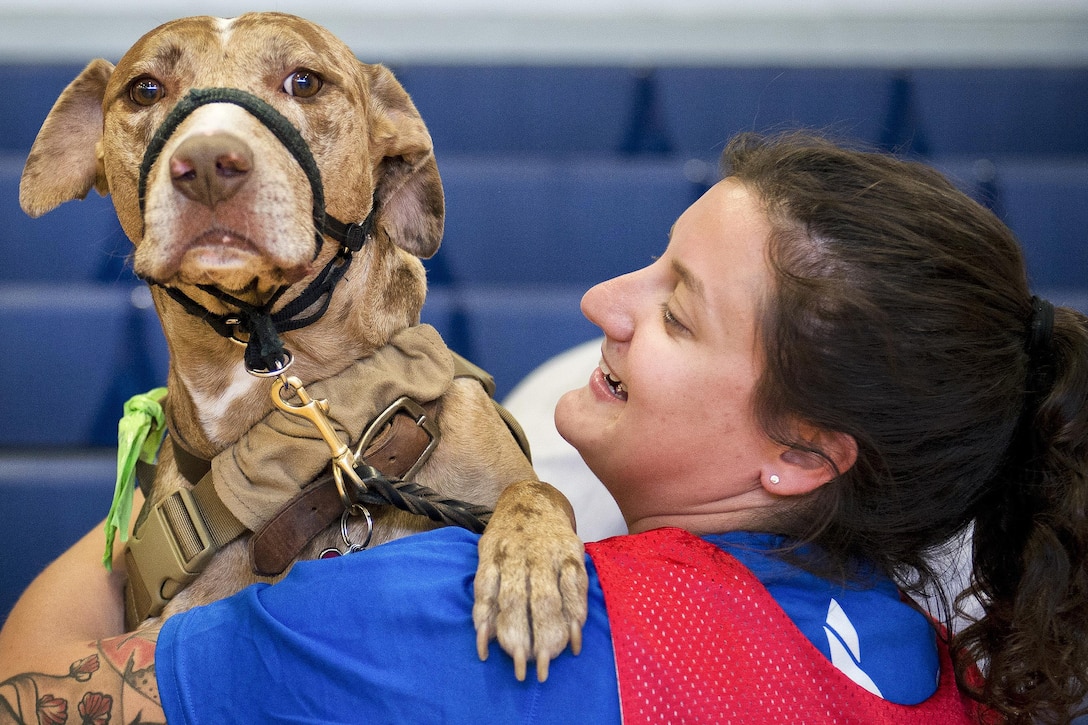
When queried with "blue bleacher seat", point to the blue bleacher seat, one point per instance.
{"points": [[509, 330], [1046, 204], [79, 241], [497, 109], [30, 90], [71, 355], [1044, 200], [1002, 110], [705, 106], [929, 111], [574, 110], [48, 501], [519, 221]]}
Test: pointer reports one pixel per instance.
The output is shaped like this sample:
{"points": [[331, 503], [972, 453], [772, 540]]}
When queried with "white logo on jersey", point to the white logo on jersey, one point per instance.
{"points": [[842, 638]]}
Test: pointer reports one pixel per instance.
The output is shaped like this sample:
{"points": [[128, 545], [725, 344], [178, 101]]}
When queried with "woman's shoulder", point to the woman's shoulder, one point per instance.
{"points": [[865, 627]]}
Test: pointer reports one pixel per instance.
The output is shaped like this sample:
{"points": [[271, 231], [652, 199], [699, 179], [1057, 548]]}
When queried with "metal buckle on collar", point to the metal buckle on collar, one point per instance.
{"points": [[414, 410]]}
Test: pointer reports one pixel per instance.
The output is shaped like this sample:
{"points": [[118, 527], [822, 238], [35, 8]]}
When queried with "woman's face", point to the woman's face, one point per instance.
{"points": [[666, 421]]}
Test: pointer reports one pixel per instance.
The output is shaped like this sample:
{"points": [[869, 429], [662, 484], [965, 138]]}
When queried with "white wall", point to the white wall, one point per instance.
{"points": [[878, 32]]}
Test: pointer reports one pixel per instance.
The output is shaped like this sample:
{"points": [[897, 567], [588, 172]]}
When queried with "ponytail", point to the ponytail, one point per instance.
{"points": [[1030, 572]]}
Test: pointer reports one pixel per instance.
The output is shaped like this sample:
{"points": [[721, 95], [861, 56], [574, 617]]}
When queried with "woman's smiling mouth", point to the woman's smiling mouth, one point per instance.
{"points": [[614, 383]]}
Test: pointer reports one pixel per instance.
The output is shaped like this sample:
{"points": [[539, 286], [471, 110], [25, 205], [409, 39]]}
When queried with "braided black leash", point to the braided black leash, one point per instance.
{"points": [[417, 499]]}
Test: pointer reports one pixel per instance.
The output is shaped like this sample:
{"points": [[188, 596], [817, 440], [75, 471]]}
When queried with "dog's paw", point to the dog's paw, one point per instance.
{"points": [[531, 584]]}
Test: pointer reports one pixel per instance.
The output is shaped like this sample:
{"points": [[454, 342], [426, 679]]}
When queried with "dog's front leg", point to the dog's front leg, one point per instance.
{"points": [[531, 583]]}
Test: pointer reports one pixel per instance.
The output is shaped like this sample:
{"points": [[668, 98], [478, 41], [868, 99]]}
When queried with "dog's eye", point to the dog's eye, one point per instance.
{"points": [[303, 84], [145, 91]]}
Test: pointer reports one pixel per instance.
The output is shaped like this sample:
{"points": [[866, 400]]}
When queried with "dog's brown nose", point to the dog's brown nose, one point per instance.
{"points": [[210, 168]]}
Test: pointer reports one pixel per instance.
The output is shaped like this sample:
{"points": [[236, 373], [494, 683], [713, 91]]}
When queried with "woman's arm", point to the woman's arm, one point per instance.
{"points": [[64, 656]]}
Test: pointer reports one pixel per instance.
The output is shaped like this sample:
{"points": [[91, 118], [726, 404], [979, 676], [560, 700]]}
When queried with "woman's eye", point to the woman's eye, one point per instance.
{"points": [[303, 84], [146, 91], [670, 319]]}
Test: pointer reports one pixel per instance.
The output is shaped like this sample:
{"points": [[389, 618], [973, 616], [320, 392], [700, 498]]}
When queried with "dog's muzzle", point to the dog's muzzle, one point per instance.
{"points": [[257, 326]]}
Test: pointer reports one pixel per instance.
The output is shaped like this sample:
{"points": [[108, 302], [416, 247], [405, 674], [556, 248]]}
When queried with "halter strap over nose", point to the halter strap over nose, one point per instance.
{"points": [[284, 131], [264, 349]]}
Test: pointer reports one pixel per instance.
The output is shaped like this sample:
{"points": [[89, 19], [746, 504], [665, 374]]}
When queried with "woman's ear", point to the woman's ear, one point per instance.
{"points": [[798, 471]]}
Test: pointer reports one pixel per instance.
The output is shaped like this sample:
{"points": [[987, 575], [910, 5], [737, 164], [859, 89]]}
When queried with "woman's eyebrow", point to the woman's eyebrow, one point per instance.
{"points": [[689, 279]]}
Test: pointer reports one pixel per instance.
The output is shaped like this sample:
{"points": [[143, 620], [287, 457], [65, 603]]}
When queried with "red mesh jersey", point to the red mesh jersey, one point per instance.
{"points": [[698, 639]]}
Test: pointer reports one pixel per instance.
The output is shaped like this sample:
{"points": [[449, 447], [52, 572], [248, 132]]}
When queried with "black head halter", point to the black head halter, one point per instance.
{"points": [[265, 354]]}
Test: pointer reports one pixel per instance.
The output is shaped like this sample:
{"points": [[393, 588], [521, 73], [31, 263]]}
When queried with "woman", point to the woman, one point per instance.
{"points": [[835, 368]]}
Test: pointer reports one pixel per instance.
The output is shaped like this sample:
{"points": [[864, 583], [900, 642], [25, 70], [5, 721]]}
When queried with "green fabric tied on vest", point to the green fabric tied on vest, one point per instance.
{"points": [[139, 435]]}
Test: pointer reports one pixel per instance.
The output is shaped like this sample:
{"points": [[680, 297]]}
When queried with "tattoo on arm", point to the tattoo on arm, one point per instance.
{"points": [[114, 683]]}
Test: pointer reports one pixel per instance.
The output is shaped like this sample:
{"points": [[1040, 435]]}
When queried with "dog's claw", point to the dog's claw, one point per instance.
{"points": [[520, 665], [531, 584], [483, 639]]}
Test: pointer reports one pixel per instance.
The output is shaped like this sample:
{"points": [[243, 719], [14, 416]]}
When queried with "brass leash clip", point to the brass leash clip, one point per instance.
{"points": [[316, 411]]}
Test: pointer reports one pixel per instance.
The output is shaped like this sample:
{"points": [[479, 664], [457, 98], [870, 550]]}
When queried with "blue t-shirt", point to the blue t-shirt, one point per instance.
{"points": [[386, 636]]}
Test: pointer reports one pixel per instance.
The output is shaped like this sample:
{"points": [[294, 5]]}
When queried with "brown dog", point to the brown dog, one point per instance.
{"points": [[233, 217]]}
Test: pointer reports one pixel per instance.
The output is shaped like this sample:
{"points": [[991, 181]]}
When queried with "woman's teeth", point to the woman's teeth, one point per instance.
{"points": [[618, 388]]}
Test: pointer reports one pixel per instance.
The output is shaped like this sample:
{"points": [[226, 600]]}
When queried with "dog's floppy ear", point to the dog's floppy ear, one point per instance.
{"points": [[63, 162], [408, 188]]}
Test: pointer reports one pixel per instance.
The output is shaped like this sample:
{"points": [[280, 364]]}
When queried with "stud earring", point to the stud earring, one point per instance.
{"points": [[774, 479]]}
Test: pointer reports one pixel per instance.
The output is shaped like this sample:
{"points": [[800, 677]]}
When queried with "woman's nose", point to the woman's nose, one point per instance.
{"points": [[608, 305]]}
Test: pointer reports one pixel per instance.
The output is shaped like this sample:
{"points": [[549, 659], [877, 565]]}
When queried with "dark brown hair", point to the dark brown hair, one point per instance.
{"points": [[900, 315]]}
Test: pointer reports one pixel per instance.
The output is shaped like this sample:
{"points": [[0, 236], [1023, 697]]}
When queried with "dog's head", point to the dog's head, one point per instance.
{"points": [[226, 204]]}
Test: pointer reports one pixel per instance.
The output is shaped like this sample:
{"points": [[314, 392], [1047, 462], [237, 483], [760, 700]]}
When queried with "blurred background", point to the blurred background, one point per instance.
{"points": [[570, 134], [744, 32]]}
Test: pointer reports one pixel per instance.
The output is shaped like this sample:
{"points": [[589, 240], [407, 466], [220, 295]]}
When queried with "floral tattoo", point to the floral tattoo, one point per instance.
{"points": [[115, 685]]}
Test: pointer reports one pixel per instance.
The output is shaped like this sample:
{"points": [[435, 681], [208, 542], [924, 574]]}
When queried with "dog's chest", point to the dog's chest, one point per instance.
{"points": [[219, 409]]}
